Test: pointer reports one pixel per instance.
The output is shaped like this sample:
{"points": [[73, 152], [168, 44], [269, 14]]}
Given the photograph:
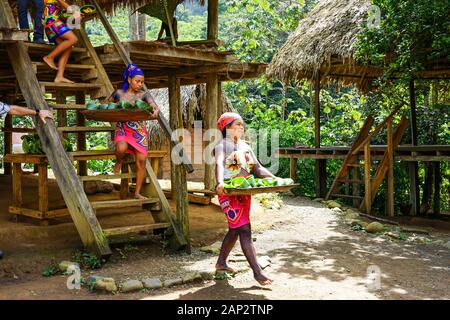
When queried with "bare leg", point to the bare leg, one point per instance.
{"points": [[245, 237], [140, 174], [66, 41], [121, 152], [62, 67], [227, 245]]}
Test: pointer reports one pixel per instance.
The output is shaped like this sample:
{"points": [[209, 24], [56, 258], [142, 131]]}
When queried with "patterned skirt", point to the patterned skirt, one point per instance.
{"points": [[236, 209], [56, 29], [133, 133]]}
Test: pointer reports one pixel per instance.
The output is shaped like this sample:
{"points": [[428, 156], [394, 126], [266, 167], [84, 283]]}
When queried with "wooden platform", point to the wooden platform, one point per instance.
{"points": [[188, 62], [401, 153]]}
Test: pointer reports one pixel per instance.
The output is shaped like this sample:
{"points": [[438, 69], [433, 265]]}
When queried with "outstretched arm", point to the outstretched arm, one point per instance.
{"points": [[21, 111]]}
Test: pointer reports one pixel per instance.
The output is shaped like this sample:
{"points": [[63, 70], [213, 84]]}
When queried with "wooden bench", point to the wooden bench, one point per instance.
{"points": [[41, 163]]}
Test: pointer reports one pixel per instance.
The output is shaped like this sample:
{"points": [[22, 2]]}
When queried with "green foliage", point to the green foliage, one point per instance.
{"points": [[51, 270], [357, 227], [412, 33], [87, 260]]}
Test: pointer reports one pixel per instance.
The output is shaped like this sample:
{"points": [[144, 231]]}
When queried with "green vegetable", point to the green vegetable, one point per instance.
{"points": [[91, 106], [269, 182], [125, 105], [112, 106], [251, 181]]}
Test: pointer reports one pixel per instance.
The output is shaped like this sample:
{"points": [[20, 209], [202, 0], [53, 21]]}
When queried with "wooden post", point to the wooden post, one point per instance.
{"points": [[414, 196], [390, 174], [60, 98], [43, 188], [220, 106], [437, 188], [178, 172], [81, 136], [213, 19], [8, 144], [355, 187], [173, 121], [321, 164], [367, 179], [211, 120], [72, 191], [293, 168], [17, 184]]}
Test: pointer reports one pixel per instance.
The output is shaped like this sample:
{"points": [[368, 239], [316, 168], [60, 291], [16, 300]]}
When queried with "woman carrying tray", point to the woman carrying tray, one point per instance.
{"points": [[131, 136], [235, 158]]}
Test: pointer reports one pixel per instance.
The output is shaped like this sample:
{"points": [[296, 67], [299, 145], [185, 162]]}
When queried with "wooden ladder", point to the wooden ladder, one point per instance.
{"points": [[92, 80], [349, 173]]}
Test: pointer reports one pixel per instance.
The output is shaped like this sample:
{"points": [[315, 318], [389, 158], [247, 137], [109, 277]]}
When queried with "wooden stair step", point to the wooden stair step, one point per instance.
{"points": [[108, 177], [133, 233], [67, 106], [85, 129], [337, 195], [48, 47], [69, 86], [123, 203], [69, 66]]}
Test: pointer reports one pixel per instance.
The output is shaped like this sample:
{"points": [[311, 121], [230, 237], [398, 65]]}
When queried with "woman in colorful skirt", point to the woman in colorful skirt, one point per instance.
{"points": [[235, 158], [59, 33], [132, 137]]}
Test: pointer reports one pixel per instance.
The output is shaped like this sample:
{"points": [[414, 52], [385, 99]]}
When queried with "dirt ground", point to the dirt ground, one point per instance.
{"points": [[314, 255]]}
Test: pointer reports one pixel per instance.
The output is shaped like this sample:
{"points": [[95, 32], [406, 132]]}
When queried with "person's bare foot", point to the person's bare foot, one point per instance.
{"points": [[139, 196], [263, 280], [226, 268], [117, 167], [63, 80], [50, 62]]}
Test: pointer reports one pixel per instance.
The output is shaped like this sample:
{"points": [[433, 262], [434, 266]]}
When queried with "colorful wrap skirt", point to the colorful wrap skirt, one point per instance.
{"points": [[236, 209], [133, 133], [55, 29]]}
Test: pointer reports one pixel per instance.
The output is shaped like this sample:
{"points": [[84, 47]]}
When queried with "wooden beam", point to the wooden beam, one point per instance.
{"points": [[80, 99], [320, 164], [13, 35], [179, 235], [8, 144], [210, 121], [414, 196], [72, 191], [390, 174], [174, 104], [367, 179], [178, 173], [437, 188], [213, 19]]}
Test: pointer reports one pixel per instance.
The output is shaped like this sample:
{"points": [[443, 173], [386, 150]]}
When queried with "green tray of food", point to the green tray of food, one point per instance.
{"points": [[252, 185], [121, 111]]}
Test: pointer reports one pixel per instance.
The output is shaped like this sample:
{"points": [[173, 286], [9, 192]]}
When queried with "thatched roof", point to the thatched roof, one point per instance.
{"points": [[193, 101], [324, 41]]}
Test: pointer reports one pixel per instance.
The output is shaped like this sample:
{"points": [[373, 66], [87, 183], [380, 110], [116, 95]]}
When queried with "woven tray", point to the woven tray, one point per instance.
{"points": [[256, 190], [117, 115]]}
